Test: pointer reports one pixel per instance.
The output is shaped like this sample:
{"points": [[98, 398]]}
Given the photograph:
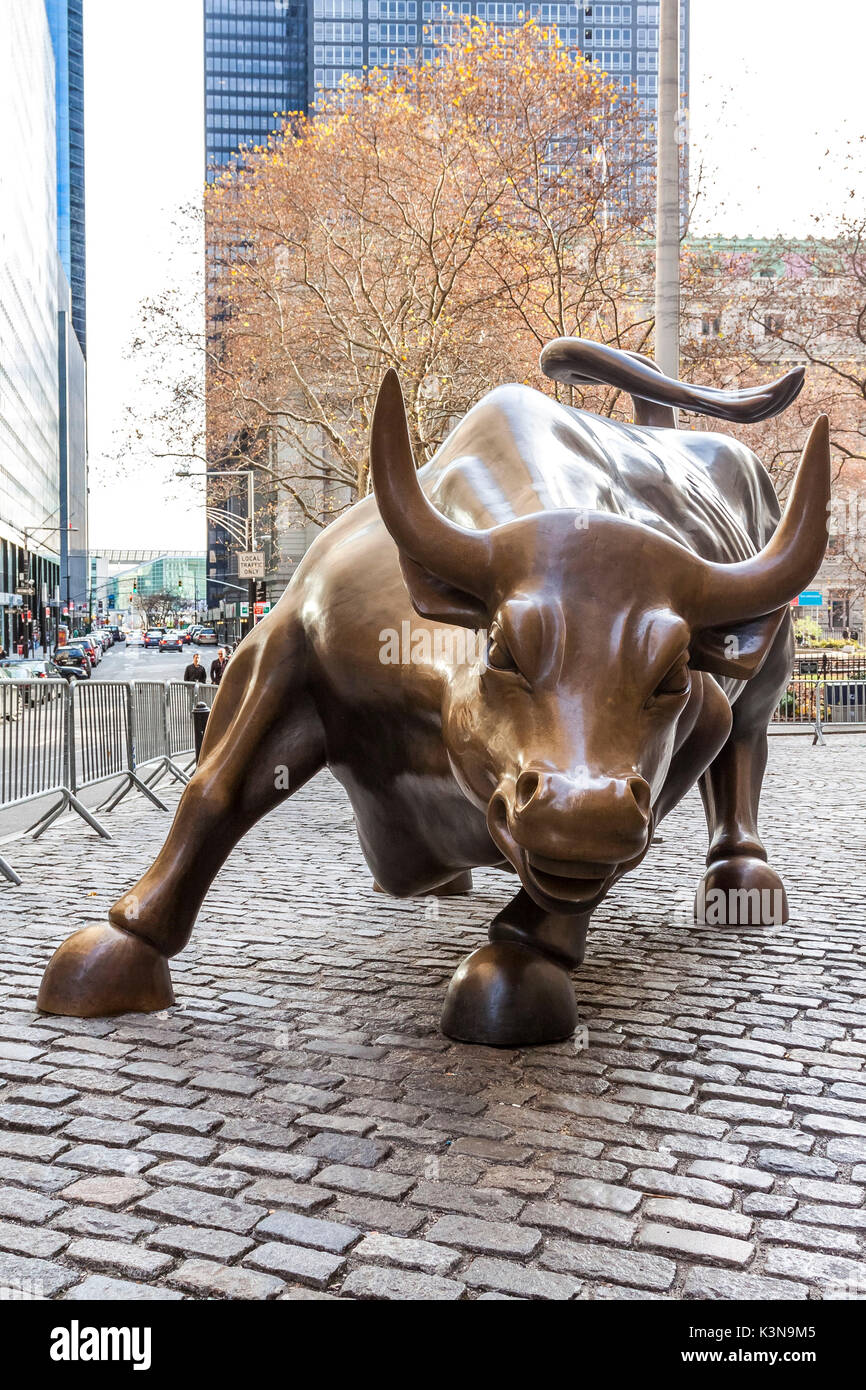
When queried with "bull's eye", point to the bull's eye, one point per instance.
{"points": [[498, 656], [675, 682]]}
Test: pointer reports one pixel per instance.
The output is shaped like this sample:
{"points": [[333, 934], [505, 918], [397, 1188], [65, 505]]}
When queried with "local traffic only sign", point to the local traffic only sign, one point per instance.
{"points": [[251, 564]]}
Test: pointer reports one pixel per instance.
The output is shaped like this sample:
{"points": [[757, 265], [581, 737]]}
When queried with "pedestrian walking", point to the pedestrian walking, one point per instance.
{"points": [[195, 671], [217, 666]]}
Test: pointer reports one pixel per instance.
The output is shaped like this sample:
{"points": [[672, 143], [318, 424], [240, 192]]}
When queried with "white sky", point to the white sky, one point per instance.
{"points": [[775, 84]]}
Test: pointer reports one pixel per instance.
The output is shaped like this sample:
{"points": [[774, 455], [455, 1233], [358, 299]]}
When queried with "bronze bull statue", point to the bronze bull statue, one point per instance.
{"points": [[520, 656]]}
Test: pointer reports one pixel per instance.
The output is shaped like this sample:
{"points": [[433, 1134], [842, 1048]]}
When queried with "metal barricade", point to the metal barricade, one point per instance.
{"points": [[101, 740], [845, 702], [35, 756], [818, 705], [797, 706], [148, 723], [150, 733], [180, 698]]}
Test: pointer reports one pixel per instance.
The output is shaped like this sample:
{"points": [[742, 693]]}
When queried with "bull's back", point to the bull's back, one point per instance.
{"points": [[518, 452]]}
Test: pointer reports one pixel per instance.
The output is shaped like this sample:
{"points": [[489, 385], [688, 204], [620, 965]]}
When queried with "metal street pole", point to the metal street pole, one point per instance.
{"points": [[667, 304], [250, 528], [251, 511]]}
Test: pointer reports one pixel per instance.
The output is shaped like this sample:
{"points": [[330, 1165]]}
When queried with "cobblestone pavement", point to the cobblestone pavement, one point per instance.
{"points": [[297, 1127]]}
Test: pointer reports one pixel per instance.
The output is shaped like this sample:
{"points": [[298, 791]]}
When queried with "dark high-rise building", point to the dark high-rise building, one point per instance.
{"points": [[67, 38], [264, 57], [257, 65]]}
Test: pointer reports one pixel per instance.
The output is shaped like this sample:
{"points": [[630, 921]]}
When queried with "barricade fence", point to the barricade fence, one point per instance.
{"points": [[819, 705], [180, 698], [59, 739]]}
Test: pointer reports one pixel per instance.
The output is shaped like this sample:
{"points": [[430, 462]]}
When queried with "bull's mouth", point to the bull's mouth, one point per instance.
{"points": [[567, 881], [559, 885]]}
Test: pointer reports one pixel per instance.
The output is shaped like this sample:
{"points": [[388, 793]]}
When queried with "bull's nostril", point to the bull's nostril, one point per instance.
{"points": [[642, 794], [525, 789]]}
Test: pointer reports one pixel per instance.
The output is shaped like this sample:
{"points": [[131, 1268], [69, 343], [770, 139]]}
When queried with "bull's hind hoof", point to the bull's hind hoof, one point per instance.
{"points": [[103, 970], [506, 995], [741, 892]]}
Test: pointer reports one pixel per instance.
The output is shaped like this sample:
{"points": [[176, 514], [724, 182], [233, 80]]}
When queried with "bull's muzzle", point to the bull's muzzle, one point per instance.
{"points": [[569, 839]]}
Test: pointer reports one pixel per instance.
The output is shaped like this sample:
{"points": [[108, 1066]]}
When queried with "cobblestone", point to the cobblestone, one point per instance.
{"points": [[371, 1281], [306, 1230], [296, 1262], [497, 1237], [298, 1127], [100, 1286]]}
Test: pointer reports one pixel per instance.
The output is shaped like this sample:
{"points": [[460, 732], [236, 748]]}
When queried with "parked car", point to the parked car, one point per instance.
{"points": [[11, 704], [73, 662], [93, 649], [171, 642], [23, 668], [206, 637], [153, 637]]}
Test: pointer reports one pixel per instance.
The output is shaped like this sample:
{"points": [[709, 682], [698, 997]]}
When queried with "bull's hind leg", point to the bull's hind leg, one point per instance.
{"points": [[263, 741], [739, 888], [516, 991]]}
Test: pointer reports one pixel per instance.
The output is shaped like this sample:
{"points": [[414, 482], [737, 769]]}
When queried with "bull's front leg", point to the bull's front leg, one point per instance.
{"points": [[739, 889], [263, 741], [516, 991]]}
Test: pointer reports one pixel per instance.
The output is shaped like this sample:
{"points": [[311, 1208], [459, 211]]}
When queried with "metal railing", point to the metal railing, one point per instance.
{"points": [[36, 755], [817, 705], [831, 665], [163, 727], [56, 740], [101, 742], [180, 698]]}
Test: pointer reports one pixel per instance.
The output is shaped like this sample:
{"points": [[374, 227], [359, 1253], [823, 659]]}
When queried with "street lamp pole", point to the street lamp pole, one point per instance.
{"points": [[249, 473], [667, 296]]}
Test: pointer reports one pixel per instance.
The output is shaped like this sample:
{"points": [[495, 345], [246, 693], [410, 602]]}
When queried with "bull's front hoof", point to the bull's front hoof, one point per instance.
{"points": [[741, 892], [506, 995], [102, 970]]}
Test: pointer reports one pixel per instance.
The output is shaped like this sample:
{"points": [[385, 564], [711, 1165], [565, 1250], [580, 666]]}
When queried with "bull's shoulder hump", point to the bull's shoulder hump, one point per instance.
{"points": [[735, 469]]}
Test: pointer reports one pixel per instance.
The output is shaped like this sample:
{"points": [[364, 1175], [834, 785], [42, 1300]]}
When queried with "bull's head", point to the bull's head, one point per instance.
{"points": [[565, 731]]}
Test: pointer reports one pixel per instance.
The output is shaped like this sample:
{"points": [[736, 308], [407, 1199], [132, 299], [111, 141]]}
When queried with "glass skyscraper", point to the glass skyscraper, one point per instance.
{"points": [[43, 488], [67, 37], [266, 57], [256, 55]]}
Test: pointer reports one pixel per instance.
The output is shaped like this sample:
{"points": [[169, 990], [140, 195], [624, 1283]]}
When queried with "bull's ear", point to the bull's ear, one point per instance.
{"points": [[735, 650], [433, 598]]}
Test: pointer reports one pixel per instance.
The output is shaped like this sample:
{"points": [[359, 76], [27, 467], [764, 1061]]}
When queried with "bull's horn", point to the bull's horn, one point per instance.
{"points": [[452, 553], [789, 561]]}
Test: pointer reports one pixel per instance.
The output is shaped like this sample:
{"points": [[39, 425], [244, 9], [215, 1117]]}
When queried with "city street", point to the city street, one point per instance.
{"points": [[127, 662], [297, 1127]]}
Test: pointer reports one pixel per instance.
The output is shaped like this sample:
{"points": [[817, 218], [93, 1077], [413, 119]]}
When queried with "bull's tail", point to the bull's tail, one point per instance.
{"points": [[577, 362]]}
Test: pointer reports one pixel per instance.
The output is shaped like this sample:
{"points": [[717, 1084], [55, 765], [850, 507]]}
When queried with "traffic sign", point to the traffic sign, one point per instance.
{"points": [[810, 598], [251, 564], [244, 610]]}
